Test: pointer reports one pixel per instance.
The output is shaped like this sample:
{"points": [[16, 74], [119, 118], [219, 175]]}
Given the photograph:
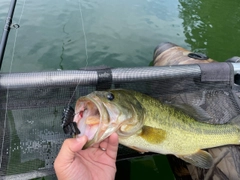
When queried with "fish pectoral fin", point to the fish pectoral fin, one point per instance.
{"points": [[141, 151], [200, 159], [152, 135], [235, 121]]}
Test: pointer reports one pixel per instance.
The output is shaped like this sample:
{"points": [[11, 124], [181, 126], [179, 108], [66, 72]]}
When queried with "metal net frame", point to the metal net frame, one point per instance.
{"points": [[32, 104]]}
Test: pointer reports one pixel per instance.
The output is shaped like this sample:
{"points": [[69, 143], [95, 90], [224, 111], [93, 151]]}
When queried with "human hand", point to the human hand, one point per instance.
{"points": [[96, 162]]}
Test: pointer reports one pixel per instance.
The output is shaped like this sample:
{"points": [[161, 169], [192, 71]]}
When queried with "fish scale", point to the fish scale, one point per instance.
{"points": [[148, 125], [182, 127]]}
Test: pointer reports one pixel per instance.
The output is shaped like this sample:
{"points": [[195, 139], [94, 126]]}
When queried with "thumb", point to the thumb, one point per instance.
{"points": [[68, 150]]}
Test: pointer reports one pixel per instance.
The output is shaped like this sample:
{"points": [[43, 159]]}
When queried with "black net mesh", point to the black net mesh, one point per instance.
{"points": [[32, 105]]}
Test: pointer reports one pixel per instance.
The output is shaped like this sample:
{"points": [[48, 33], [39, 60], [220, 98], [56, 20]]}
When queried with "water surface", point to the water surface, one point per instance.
{"points": [[64, 34], [56, 34]]}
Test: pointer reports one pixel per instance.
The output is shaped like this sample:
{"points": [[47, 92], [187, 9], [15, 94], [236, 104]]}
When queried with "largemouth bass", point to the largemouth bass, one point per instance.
{"points": [[148, 125], [227, 158]]}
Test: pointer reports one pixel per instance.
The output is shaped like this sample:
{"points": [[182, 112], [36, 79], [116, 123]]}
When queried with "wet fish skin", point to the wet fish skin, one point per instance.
{"points": [[148, 125]]}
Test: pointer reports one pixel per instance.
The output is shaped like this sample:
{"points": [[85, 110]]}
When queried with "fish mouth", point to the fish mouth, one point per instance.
{"points": [[92, 119]]}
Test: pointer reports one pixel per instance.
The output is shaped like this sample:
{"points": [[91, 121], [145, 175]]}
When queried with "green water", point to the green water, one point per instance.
{"points": [[116, 33], [56, 34], [73, 34]]}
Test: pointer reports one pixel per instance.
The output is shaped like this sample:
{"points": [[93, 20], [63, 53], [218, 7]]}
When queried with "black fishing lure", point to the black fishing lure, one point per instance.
{"points": [[67, 121]]}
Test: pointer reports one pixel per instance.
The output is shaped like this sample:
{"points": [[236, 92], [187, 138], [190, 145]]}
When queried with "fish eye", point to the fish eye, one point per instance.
{"points": [[110, 96]]}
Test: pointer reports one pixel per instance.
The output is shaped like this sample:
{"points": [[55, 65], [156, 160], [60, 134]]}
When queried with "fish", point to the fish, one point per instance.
{"points": [[226, 158], [146, 124]]}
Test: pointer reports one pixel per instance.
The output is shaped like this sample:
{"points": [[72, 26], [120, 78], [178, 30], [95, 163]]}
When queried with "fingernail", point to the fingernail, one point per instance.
{"points": [[103, 149], [79, 138]]}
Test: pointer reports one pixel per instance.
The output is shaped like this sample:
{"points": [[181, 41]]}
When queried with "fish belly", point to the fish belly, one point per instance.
{"points": [[177, 142]]}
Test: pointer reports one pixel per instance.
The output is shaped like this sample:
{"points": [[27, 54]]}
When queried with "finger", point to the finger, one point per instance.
{"points": [[77, 146], [70, 147], [95, 145], [104, 144], [112, 146]]}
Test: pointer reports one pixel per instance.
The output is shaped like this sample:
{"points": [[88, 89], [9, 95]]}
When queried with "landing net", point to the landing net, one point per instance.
{"points": [[30, 118]]}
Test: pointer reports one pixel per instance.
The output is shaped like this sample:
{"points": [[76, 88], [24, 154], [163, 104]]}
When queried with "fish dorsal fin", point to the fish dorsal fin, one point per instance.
{"points": [[235, 121], [194, 111], [153, 135], [200, 159]]}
